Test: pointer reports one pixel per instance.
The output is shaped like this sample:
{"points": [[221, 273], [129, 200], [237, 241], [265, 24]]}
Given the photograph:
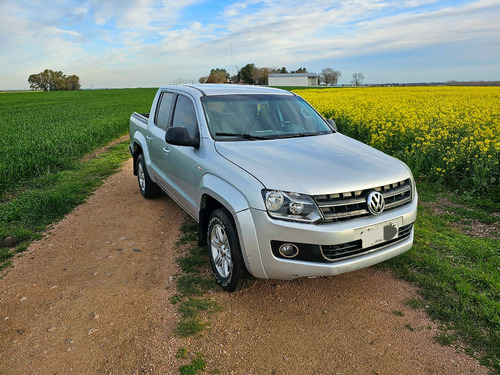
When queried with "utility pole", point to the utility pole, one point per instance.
{"points": [[232, 67]]}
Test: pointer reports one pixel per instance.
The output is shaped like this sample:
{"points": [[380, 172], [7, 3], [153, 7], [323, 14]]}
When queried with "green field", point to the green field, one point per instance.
{"points": [[45, 132], [43, 137]]}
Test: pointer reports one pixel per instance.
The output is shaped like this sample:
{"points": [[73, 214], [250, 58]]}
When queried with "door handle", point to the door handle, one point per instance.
{"points": [[166, 150], [149, 138]]}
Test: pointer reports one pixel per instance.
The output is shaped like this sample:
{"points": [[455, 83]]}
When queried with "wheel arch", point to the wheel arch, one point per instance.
{"points": [[136, 150], [216, 193], [137, 147]]}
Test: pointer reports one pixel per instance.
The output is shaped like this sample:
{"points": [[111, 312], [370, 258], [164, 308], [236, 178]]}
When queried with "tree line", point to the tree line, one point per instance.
{"points": [[252, 75], [50, 80]]}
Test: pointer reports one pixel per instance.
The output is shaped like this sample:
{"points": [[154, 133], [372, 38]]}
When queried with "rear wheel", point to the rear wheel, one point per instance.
{"points": [[147, 187], [225, 253]]}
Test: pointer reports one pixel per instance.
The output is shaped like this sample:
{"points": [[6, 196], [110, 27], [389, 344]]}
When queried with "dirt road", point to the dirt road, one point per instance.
{"points": [[92, 298]]}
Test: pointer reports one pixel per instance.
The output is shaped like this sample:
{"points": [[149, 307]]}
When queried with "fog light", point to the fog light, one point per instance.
{"points": [[289, 250]]}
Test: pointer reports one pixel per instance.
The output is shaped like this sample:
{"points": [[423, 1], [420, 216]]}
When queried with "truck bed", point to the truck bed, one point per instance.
{"points": [[143, 117]]}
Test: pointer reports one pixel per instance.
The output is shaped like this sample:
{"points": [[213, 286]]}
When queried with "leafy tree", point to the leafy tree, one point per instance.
{"points": [[50, 80], [73, 82], [357, 79], [38, 81], [247, 74], [330, 76], [218, 76], [300, 70], [261, 75], [278, 70], [56, 80], [235, 78]]}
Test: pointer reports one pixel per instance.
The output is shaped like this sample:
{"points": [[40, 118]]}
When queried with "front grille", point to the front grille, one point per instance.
{"points": [[354, 248], [352, 204]]}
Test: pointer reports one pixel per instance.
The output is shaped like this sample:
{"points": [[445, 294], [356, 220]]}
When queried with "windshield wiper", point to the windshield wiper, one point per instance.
{"points": [[244, 136], [298, 135]]}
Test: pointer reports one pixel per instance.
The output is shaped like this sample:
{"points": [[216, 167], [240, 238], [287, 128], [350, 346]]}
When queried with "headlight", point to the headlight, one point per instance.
{"points": [[291, 206]]}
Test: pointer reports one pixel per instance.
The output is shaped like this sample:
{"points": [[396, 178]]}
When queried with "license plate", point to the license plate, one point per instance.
{"points": [[379, 233]]}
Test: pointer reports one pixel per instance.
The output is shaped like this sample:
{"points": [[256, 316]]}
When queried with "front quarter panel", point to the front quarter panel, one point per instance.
{"points": [[223, 192], [234, 201]]}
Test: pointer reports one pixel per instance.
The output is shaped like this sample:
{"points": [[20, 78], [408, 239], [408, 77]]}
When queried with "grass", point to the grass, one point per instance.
{"points": [[191, 299], [197, 364], [415, 303], [445, 339], [190, 326], [193, 283], [46, 132], [192, 306], [458, 274], [409, 327], [48, 198], [43, 176], [43, 138]]}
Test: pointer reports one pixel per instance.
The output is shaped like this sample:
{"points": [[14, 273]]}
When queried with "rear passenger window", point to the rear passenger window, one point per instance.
{"points": [[185, 115], [164, 109]]}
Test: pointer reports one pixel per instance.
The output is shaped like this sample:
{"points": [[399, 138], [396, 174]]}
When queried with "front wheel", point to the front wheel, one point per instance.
{"points": [[225, 253], [147, 187]]}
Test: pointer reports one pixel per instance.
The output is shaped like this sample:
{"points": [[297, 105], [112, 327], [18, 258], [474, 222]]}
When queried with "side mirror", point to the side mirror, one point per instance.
{"points": [[332, 123], [179, 136]]}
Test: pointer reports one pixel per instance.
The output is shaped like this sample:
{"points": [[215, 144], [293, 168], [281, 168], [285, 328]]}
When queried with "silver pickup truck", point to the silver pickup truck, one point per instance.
{"points": [[277, 191]]}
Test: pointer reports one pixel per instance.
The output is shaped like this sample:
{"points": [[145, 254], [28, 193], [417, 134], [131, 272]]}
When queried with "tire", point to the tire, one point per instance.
{"points": [[225, 253], [147, 187]]}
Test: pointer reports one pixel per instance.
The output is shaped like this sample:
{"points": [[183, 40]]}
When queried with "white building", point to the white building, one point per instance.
{"points": [[294, 79]]}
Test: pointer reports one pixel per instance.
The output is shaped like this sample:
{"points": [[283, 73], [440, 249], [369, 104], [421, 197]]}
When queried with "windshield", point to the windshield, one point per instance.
{"points": [[249, 117]]}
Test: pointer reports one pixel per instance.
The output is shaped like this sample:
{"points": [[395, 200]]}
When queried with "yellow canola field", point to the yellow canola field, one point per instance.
{"points": [[448, 134]]}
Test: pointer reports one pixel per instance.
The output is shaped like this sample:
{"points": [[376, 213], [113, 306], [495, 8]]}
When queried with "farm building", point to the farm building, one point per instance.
{"points": [[294, 79]]}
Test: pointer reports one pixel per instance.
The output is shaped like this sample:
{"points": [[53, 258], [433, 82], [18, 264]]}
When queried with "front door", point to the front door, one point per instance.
{"points": [[181, 166]]}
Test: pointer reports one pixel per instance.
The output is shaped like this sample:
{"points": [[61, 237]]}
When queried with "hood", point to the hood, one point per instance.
{"points": [[323, 164]]}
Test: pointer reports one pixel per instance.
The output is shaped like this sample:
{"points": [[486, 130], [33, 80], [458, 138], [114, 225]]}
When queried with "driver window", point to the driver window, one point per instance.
{"points": [[185, 115]]}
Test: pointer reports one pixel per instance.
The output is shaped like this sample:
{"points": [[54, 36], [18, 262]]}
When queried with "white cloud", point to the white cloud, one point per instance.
{"points": [[138, 14], [354, 29], [79, 11], [110, 38], [234, 9]]}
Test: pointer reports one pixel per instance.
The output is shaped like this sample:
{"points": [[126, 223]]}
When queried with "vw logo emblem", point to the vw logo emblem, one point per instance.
{"points": [[375, 202]]}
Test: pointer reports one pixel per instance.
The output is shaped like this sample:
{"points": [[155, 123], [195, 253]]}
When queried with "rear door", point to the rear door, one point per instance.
{"points": [[156, 140]]}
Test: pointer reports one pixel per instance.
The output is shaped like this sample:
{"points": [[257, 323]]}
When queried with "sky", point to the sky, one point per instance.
{"points": [[148, 43]]}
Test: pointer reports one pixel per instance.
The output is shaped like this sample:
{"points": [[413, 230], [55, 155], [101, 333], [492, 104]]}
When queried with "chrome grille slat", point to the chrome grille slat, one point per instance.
{"points": [[397, 191], [398, 203], [352, 204], [346, 214], [342, 203]]}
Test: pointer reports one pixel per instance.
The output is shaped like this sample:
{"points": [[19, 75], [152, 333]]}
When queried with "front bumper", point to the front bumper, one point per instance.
{"points": [[257, 231]]}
